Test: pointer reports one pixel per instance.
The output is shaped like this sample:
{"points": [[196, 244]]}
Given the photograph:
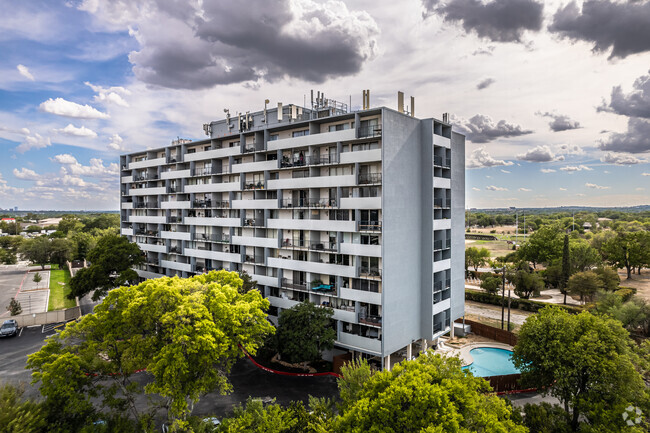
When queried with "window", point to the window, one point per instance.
{"points": [[339, 127], [274, 137], [369, 239], [365, 146], [300, 133]]}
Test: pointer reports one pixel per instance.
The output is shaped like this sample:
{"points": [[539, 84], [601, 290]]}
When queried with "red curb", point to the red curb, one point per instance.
{"points": [[285, 373], [21, 284]]}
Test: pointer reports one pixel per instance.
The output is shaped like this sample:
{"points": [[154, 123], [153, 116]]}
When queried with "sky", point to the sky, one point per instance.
{"points": [[553, 96]]}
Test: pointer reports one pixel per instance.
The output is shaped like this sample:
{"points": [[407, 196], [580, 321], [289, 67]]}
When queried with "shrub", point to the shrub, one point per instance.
{"points": [[522, 304], [14, 308], [625, 293]]}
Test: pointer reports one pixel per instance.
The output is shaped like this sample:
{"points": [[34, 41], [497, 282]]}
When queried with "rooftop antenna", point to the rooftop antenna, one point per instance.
{"points": [[400, 102], [227, 111], [266, 101]]}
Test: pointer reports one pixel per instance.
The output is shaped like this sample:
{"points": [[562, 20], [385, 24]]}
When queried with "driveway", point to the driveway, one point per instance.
{"points": [[11, 277]]}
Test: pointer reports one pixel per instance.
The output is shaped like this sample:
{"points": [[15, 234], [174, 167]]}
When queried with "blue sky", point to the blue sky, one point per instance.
{"points": [[555, 103]]}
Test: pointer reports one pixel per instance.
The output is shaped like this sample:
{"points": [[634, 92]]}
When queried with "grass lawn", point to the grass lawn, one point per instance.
{"points": [[58, 291]]}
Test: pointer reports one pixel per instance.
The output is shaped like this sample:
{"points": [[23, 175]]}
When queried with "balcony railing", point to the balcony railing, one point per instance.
{"points": [[202, 172], [151, 233], [370, 131], [369, 226], [370, 271], [304, 161], [369, 178], [215, 237], [175, 219], [253, 185], [145, 205], [295, 286], [439, 161], [249, 148], [315, 246], [308, 202], [253, 223], [441, 285], [440, 203], [371, 320]]}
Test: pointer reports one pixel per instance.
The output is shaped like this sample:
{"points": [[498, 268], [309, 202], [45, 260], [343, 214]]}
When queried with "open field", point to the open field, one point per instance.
{"points": [[59, 281], [497, 248]]}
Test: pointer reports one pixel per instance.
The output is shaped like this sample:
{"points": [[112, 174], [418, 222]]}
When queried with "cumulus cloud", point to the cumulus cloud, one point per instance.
{"points": [[495, 188], [570, 149], [487, 51], [574, 168], [635, 140], [25, 174], [32, 142], [505, 171], [70, 166], [112, 95], [594, 186], [634, 104], [622, 26], [61, 107], [196, 45], [116, 142], [645, 174], [621, 159], [8, 191], [560, 122], [77, 132], [481, 158], [485, 83], [482, 129], [562, 189], [548, 170], [541, 153], [498, 20], [24, 71], [525, 189], [475, 188]]}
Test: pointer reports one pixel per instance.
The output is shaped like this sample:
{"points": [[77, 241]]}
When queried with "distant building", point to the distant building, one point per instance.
{"points": [[9, 220]]}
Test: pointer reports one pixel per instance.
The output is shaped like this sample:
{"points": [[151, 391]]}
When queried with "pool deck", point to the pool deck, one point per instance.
{"points": [[466, 358]]}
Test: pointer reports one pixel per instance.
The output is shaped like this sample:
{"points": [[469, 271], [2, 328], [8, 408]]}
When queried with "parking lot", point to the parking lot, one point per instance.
{"points": [[11, 277]]}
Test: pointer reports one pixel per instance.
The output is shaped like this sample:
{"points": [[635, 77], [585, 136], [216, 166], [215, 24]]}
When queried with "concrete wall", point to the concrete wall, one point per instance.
{"points": [[426, 230], [402, 216], [457, 226], [48, 317]]}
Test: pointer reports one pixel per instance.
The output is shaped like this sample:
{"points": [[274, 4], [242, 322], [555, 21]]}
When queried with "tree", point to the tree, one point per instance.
{"points": [[608, 277], [186, 333], [566, 267], [248, 282], [584, 284], [83, 243], [33, 229], [587, 359], [526, 283], [61, 251], [37, 279], [491, 283], [112, 260], [624, 251], [14, 307], [18, 415], [476, 257], [304, 331], [543, 246], [583, 256], [70, 223], [37, 250], [428, 394]]}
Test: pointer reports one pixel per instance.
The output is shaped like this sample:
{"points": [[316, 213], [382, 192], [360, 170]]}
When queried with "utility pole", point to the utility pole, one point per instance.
{"points": [[516, 227], [508, 310], [503, 296]]}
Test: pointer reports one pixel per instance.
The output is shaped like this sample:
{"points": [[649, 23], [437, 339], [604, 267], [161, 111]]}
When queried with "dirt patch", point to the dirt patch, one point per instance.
{"points": [[496, 248], [639, 282]]}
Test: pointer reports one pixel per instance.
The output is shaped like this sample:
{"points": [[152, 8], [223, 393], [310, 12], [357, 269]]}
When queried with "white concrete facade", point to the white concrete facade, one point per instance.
{"points": [[349, 210]]}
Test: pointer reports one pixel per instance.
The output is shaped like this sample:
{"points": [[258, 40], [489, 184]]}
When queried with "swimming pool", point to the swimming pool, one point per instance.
{"points": [[491, 361]]}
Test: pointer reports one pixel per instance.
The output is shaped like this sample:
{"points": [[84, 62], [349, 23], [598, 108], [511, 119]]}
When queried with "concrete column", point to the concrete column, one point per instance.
{"points": [[387, 363], [409, 351], [452, 331], [424, 345]]}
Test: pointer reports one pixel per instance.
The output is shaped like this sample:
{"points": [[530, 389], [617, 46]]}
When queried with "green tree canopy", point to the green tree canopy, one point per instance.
{"points": [[526, 283], [544, 245], [476, 257], [186, 333], [112, 260], [588, 360], [625, 250], [584, 284], [37, 250], [304, 331], [19, 415], [491, 283], [428, 394]]}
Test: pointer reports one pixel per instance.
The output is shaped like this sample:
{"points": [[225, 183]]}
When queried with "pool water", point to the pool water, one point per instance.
{"points": [[491, 361]]}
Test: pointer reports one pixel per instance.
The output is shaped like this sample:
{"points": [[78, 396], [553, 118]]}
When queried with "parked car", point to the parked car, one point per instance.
{"points": [[9, 328]]}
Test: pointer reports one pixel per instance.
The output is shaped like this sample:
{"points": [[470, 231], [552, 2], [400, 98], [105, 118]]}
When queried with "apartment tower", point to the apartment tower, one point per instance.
{"points": [[361, 211]]}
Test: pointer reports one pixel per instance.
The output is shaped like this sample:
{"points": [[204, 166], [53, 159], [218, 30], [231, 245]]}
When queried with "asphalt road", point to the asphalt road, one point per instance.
{"points": [[13, 357]]}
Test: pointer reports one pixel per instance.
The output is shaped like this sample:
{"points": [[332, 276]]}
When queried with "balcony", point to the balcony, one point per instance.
{"points": [[357, 341], [212, 153], [311, 140], [207, 171], [126, 232], [246, 167], [177, 266], [144, 163], [439, 161], [254, 222], [369, 272], [313, 182], [361, 156], [147, 191], [360, 295], [271, 203], [214, 237], [175, 220], [250, 186], [360, 203], [148, 233], [370, 131], [252, 241], [212, 221], [213, 255], [204, 204], [369, 226], [440, 203], [308, 203], [369, 178], [154, 248], [314, 267], [179, 236], [213, 187], [313, 246], [441, 285], [371, 321], [311, 224], [305, 161], [146, 205], [294, 286], [254, 260], [159, 219], [360, 249], [174, 204]]}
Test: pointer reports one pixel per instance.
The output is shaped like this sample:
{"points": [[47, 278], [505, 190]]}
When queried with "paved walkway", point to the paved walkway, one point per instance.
{"points": [[556, 296], [494, 312]]}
